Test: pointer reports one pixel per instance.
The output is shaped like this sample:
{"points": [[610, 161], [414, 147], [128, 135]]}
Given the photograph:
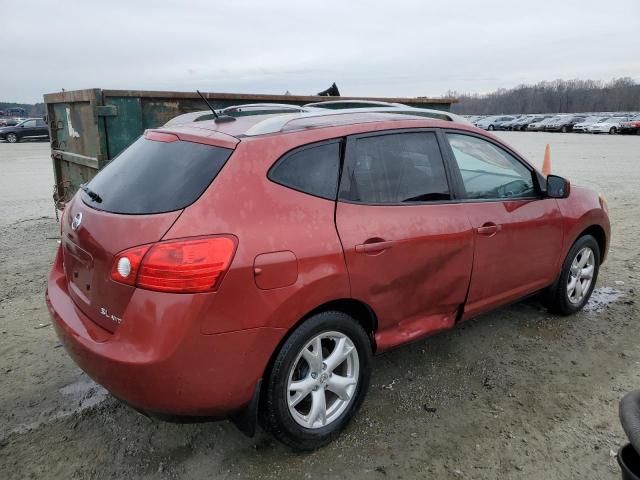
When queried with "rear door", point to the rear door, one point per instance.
{"points": [[41, 130], [518, 231], [408, 248]]}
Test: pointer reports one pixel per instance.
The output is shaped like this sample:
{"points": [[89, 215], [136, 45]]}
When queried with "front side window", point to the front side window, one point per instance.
{"points": [[29, 124], [488, 171], [394, 169], [313, 170]]}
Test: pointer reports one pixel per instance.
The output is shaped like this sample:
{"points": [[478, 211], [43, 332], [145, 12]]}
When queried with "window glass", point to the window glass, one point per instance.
{"points": [[153, 177], [29, 123], [312, 170], [489, 171], [40, 123], [395, 168]]}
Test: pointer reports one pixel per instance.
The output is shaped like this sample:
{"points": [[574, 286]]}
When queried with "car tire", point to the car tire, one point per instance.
{"points": [[315, 415], [490, 128], [12, 138], [571, 291], [612, 131], [565, 129]]}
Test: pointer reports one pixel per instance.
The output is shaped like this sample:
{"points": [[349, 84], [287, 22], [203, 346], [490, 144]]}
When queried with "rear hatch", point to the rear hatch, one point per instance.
{"points": [[133, 201]]}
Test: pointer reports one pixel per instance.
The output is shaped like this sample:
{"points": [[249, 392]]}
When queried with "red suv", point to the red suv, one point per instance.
{"points": [[249, 269]]}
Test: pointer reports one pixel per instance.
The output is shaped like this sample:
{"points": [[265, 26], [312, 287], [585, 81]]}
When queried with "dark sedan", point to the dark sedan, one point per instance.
{"points": [[31, 128], [564, 124]]}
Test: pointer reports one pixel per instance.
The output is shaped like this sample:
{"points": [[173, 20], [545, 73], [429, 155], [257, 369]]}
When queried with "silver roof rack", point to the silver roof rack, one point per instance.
{"points": [[294, 121], [364, 103], [265, 108]]}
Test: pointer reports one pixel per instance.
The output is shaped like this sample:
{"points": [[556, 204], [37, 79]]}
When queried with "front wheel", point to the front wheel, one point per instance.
{"points": [[491, 127], [565, 129], [12, 138], [318, 381], [574, 286], [612, 130]]}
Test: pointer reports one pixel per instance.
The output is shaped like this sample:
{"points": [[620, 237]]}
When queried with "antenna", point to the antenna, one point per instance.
{"points": [[219, 118]]}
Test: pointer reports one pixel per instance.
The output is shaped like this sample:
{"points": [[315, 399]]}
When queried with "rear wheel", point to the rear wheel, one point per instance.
{"points": [[572, 289], [491, 127], [318, 381], [12, 138], [565, 129], [612, 130]]}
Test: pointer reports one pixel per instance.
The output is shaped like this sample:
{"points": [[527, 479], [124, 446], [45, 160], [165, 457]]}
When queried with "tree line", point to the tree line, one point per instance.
{"points": [[558, 96]]}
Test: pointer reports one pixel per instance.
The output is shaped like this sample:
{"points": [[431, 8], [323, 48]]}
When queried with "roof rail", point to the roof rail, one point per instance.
{"points": [[242, 109], [264, 106], [281, 122], [364, 103]]}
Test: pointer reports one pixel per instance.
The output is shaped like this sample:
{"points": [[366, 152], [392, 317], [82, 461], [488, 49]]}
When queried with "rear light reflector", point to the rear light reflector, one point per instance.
{"points": [[126, 265], [194, 265]]}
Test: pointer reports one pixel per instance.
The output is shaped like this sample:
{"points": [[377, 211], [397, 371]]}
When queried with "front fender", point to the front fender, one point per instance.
{"points": [[583, 210]]}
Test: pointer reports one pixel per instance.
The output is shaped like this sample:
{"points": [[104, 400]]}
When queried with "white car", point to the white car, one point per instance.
{"points": [[583, 127], [609, 125], [492, 122]]}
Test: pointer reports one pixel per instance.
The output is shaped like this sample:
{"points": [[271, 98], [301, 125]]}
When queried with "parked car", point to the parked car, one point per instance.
{"points": [[582, 127], [521, 122], [493, 122], [284, 250], [563, 124], [30, 128], [9, 122], [540, 125], [15, 112], [631, 126], [508, 125], [608, 125]]}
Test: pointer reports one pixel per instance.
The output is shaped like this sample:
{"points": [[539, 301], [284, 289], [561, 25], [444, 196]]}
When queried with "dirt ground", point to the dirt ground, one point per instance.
{"points": [[517, 393]]}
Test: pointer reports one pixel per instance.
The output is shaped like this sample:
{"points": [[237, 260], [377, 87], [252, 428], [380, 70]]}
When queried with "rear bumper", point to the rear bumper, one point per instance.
{"points": [[158, 360]]}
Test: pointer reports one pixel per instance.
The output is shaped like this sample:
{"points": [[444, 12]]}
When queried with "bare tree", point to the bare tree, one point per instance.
{"points": [[557, 96]]}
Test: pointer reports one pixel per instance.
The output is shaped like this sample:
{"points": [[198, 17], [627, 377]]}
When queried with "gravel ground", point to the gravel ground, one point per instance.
{"points": [[517, 393]]}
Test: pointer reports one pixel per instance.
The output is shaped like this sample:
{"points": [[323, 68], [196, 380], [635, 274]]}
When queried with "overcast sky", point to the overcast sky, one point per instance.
{"points": [[371, 48]]}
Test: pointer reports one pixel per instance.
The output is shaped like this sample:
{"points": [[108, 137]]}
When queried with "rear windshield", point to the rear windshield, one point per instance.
{"points": [[155, 177]]}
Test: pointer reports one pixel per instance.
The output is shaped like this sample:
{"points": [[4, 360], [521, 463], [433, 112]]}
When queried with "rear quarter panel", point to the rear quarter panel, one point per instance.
{"points": [[266, 218]]}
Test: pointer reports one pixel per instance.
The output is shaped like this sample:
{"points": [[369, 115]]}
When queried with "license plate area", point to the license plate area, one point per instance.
{"points": [[78, 264]]}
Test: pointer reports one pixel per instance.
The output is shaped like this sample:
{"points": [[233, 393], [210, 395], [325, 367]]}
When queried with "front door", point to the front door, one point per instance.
{"points": [[408, 249], [518, 232]]}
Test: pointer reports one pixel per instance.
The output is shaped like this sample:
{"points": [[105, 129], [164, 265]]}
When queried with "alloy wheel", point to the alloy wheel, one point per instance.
{"points": [[323, 380], [580, 275], [12, 138]]}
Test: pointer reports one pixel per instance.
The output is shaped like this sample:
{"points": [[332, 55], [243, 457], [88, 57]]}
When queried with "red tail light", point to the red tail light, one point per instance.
{"points": [[179, 266]]}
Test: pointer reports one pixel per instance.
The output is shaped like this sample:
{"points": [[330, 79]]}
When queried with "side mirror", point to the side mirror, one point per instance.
{"points": [[558, 187]]}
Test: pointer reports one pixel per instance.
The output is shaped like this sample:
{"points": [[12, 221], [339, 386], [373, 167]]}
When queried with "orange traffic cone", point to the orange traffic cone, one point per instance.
{"points": [[546, 165]]}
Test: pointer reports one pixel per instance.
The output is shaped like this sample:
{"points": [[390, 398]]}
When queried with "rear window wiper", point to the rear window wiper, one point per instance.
{"points": [[92, 195]]}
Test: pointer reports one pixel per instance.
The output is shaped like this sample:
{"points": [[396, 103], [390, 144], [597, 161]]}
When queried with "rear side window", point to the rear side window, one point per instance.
{"points": [[155, 177], [395, 168], [311, 169]]}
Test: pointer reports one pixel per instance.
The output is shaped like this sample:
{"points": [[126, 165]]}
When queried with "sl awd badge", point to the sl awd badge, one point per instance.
{"points": [[77, 220]]}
